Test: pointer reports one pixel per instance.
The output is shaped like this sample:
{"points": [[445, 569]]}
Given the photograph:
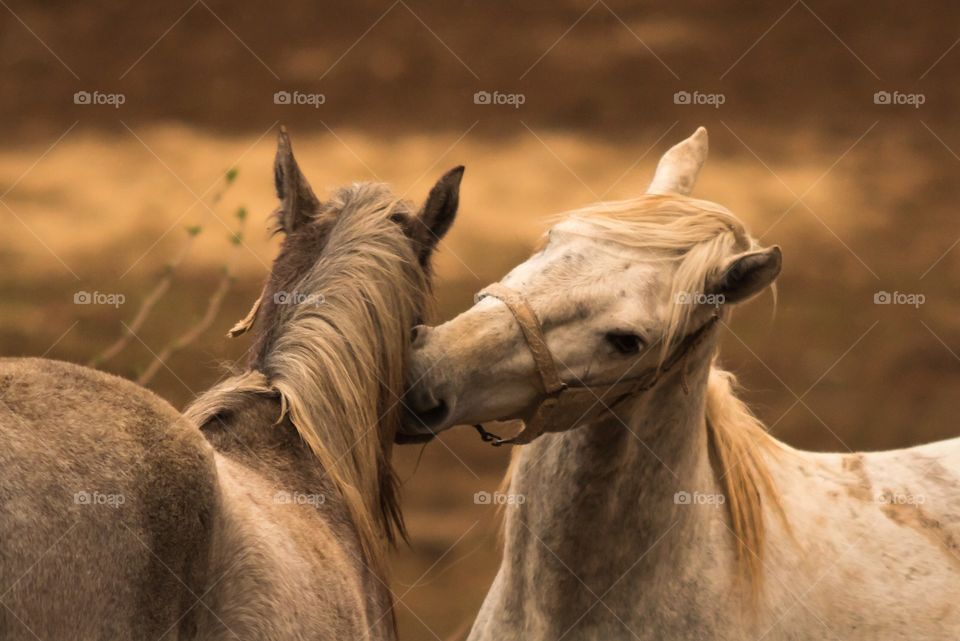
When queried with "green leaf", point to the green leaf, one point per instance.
{"points": [[231, 175], [194, 230]]}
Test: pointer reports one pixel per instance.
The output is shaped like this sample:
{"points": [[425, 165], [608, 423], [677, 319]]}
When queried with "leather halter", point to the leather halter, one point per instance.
{"points": [[554, 390]]}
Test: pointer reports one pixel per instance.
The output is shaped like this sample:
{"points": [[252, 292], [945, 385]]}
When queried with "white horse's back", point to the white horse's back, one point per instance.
{"points": [[875, 542]]}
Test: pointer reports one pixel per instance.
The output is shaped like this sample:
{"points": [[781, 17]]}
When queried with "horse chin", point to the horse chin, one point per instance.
{"points": [[421, 427], [401, 438], [414, 429]]}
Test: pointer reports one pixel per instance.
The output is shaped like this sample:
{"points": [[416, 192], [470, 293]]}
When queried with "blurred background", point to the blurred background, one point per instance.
{"points": [[134, 134]]}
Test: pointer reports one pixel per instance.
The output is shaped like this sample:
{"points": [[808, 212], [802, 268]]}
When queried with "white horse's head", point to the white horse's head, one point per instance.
{"points": [[616, 288]]}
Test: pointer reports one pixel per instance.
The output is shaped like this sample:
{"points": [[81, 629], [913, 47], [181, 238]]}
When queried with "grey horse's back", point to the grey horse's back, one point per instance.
{"points": [[106, 502]]}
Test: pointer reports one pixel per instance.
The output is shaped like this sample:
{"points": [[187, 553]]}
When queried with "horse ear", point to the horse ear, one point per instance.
{"points": [[747, 274], [297, 201], [439, 210], [678, 168]]}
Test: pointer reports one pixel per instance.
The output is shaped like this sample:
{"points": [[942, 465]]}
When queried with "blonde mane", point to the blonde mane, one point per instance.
{"points": [[699, 236], [336, 359], [739, 445]]}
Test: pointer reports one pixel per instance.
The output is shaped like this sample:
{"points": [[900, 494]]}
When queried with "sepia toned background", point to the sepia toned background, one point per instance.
{"points": [[833, 132]]}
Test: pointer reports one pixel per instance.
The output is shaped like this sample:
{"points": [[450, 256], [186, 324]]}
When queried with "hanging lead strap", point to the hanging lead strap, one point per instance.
{"points": [[486, 436]]}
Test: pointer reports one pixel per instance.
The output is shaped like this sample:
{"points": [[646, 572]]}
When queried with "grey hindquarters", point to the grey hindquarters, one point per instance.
{"points": [[106, 504]]}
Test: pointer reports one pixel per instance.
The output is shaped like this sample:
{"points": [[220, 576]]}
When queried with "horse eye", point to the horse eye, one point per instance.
{"points": [[625, 343]]}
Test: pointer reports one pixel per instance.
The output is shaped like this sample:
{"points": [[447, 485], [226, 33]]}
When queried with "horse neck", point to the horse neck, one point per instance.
{"points": [[599, 501], [273, 455]]}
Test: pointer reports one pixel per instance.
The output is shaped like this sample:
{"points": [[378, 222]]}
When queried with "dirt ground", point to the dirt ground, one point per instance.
{"points": [[860, 194]]}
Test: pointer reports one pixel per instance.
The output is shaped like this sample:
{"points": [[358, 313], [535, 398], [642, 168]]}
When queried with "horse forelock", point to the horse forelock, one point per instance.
{"points": [[695, 236]]}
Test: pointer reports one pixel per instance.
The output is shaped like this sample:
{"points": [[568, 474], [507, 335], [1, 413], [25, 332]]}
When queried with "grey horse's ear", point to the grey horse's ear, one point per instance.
{"points": [[298, 204], [747, 274], [439, 210], [678, 169]]}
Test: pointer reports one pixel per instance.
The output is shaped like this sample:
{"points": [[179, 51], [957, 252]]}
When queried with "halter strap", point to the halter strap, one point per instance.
{"points": [[532, 333], [554, 389]]}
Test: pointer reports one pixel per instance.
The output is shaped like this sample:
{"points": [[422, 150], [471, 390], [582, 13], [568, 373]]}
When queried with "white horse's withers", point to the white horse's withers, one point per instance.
{"points": [[669, 512]]}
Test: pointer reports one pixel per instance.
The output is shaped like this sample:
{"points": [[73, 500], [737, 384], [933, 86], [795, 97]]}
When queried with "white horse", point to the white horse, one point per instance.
{"points": [[656, 505]]}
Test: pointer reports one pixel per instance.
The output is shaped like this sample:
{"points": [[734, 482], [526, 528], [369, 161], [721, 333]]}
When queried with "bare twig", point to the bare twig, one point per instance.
{"points": [[209, 315], [163, 285], [192, 334], [159, 290]]}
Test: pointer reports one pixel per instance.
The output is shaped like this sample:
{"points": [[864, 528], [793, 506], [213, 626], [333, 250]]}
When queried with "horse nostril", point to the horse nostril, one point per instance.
{"points": [[426, 408], [418, 334], [433, 416]]}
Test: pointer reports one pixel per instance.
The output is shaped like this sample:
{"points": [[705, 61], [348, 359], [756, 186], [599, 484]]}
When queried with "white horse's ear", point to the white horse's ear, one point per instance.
{"points": [[678, 168], [747, 274]]}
